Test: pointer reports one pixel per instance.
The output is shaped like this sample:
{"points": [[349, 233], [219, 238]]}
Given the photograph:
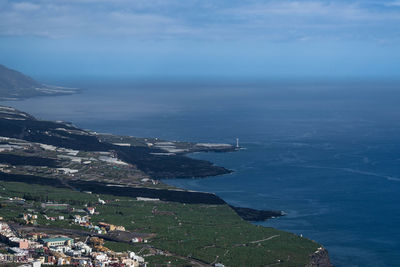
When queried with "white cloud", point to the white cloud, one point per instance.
{"points": [[395, 3], [25, 6], [62, 19], [306, 10], [283, 20], [165, 19]]}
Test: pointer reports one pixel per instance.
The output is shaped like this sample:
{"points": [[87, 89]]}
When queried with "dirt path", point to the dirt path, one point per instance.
{"points": [[256, 241]]}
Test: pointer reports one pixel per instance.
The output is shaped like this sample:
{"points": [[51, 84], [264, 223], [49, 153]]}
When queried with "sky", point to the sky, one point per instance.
{"points": [[209, 38]]}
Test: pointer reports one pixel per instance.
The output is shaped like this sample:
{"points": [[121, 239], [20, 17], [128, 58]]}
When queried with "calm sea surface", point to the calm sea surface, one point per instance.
{"points": [[326, 153]]}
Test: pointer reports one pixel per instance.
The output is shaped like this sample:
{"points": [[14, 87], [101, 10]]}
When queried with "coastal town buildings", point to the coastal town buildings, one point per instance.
{"points": [[37, 249], [58, 241]]}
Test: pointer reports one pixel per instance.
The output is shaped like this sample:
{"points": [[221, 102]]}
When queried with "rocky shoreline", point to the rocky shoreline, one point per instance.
{"points": [[320, 258]]}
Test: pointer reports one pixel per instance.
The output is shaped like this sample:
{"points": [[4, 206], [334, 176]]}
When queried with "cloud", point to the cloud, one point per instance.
{"points": [[207, 20], [304, 11], [63, 20], [25, 6], [310, 20], [395, 4]]}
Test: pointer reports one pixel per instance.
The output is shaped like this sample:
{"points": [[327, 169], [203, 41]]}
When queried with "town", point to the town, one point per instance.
{"points": [[37, 248]]}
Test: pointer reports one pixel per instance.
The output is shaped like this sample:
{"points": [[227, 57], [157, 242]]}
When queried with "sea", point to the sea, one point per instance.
{"points": [[326, 152]]}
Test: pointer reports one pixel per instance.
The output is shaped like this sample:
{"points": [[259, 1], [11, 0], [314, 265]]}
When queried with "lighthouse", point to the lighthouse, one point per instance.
{"points": [[237, 143]]}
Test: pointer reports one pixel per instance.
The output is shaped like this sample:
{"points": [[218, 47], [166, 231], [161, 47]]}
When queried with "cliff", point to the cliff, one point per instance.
{"points": [[319, 258]]}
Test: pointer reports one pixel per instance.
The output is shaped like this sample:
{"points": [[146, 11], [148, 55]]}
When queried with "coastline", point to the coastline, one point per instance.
{"points": [[180, 196], [52, 135], [144, 153]]}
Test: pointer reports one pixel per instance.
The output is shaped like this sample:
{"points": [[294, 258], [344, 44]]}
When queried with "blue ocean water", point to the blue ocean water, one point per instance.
{"points": [[327, 153]]}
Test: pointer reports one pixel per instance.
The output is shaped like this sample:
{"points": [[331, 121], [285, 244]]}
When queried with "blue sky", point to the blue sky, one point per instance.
{"points": [[189, 38]]}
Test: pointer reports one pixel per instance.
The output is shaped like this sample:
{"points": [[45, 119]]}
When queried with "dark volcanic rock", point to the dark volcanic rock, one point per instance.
{"points": [[25, 160], [168, 166], [320, 258], [256, 215], [181, 196]]}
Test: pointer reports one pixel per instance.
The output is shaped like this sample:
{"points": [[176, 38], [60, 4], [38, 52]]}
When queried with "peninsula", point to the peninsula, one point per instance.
{"points": [[14, 86]]}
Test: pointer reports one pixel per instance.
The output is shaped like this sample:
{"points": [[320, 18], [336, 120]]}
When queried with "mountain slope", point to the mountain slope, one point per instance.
{"points": [[15, 85]]}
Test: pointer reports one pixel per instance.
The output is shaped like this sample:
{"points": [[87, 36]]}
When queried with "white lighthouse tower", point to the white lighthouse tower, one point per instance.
{"points": [[237, 143]]}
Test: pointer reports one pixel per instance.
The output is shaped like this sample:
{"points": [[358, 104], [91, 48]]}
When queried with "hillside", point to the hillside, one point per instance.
{"points": [[14, 85]]}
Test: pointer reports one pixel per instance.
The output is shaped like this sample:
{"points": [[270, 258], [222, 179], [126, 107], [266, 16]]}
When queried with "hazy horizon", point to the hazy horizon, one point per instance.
{"points": [[229, 39]]}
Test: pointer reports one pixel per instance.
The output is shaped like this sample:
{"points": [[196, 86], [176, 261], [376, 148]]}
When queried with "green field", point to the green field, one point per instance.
{"points": [[209, 233]]}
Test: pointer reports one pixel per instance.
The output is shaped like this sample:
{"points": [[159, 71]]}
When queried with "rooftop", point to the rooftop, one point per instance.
{"points": [[56, 239]]}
